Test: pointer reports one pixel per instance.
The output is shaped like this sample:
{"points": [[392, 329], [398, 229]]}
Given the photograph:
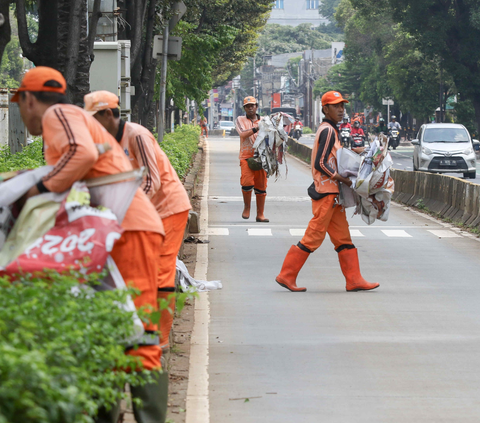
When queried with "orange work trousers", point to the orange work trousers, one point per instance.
{"points": [[136, 256], [174, 226], [328, 217], [252, 178]]}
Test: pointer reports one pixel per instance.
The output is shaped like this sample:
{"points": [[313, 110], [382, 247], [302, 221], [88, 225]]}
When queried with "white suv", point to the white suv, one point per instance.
{"points": [[445, 148]]}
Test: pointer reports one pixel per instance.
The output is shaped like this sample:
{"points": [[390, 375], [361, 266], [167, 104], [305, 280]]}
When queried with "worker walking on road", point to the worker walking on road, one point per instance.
{"points": [[251, 180], [71, 137], [328, 216], [161, 185]]}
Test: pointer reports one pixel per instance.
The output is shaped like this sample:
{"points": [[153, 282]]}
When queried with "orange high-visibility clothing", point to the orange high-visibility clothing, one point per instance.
{"points": [[174, 232], [165, 190], [324, 182], [70, 135], [162, 184], [135, 253], [327, 218], [255, 178], [244, 126]]}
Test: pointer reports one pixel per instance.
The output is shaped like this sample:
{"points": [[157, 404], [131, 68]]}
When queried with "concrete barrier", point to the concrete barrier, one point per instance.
{"points": [[446, 196], [297, 149]]}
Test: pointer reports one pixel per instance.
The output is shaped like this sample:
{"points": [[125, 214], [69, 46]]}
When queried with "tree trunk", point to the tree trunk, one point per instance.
{"points": [[44, 51], [75, 36], [476, 105], [147, 72], [5, 29]]}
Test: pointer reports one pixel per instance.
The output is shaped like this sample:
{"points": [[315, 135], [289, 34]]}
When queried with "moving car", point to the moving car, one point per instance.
{"points": [[228, 126], [445, 148]]}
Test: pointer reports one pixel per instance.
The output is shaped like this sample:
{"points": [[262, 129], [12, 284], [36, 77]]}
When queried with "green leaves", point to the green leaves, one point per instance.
{"points": [[180, 147], [59, 350], [30, 158]]}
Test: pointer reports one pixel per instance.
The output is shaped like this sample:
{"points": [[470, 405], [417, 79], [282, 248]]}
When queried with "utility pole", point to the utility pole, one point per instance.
{"points": [[254, 91], [163, 86], [440, 96]]}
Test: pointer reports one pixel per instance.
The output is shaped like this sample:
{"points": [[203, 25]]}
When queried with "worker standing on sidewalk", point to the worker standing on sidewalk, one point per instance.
{"points": [[71, 137], [161, 185], [251, 180], [328, 216], [204, 126]]}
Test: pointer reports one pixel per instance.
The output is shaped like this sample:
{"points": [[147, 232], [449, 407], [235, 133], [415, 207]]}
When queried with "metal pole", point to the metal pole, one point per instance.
{"points": [[210, 111], [254, 77], [440, 97], [163, 86]]}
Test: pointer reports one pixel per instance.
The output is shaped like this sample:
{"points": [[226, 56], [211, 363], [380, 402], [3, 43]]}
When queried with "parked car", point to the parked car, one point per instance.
{"points": [[445, 148], [228, 126]]}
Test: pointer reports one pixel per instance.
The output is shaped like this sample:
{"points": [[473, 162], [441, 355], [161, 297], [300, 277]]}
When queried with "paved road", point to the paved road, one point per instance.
{"points": [[406, 352]]}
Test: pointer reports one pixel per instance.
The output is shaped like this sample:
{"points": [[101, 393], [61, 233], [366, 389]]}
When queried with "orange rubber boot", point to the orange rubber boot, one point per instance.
{"points": [[260, 199], [292, 264], [247, 201], [351, 270]]}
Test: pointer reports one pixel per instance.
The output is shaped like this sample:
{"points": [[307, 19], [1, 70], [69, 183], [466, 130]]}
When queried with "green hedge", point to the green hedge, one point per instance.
{"points": [[30, 158], [180, 147], [59, 350]]}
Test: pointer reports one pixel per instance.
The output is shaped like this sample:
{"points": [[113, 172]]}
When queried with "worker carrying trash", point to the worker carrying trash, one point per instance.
{"points": [[328, 215]]}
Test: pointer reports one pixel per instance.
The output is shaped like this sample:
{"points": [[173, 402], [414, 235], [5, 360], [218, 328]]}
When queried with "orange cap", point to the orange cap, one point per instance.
{"points": [[332, 97], [42, 78], [100, 100], [249, 100]]}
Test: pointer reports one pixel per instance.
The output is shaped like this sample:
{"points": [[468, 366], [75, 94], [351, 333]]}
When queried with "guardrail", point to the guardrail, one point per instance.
{"points": [[447, 196]]}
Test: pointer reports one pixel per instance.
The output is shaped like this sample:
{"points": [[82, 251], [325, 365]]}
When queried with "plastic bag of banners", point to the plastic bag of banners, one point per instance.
{"points": [[64, 231], [374, 185], [271, 143]]}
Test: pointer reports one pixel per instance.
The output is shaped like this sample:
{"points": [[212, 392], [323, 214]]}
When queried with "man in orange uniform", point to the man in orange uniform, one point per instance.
{"points": [[204, 126], [247, 128], [328, 215], [70, 137], [161, 185]]}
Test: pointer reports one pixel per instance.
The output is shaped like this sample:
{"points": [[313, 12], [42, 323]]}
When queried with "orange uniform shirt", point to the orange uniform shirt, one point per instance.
{"points": [[70, 135], [162, 184], [244, 124]]}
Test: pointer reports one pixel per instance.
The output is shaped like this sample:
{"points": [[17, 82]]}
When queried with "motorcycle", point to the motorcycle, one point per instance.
{"points": [[345, 137], [394, 138], [358, 140], [297, 132]]}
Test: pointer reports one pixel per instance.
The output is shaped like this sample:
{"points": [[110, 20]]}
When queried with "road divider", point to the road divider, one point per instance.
{"points": [[446, 196]]}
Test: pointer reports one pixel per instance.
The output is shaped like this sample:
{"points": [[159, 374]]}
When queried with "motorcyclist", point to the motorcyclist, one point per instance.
{"points": [[357, 130], [382, 127], [345, 124], [394, 124]]}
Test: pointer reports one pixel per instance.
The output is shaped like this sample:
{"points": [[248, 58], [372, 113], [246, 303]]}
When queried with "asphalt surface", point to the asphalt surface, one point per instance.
{"points": [[408, 351]]}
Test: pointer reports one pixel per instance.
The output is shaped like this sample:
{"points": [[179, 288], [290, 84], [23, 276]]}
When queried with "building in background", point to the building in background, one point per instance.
{"points": [[296, 12]]}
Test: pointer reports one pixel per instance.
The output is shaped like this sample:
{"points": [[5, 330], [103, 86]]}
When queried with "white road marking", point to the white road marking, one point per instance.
{"points": [[297, 232], [396, 233], [355, 233], [259, 232], [290, 199], [445, 234], [218, 231]]}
